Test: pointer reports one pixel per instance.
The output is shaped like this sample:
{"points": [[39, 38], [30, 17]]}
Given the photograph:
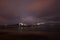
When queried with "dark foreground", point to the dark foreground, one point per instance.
{"points": [[46, 32], [28, 35], [22, 35]]}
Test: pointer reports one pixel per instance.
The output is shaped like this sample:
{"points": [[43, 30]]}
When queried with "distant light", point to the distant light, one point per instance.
{"points": [[25, 24], [21, 24], [40, 23]]}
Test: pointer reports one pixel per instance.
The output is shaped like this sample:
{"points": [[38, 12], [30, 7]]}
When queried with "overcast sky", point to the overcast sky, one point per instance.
{"points": [[30, 11]]}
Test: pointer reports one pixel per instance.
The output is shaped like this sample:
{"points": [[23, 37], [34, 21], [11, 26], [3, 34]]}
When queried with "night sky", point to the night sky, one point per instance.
{"points": [[29, 11]]}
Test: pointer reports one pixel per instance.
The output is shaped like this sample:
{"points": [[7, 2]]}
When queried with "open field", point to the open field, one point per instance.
{"points": [[22, 35]]}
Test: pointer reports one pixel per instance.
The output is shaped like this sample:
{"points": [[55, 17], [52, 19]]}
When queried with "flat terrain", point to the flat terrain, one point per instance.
{"points": [[22, 34], [29, 34]]}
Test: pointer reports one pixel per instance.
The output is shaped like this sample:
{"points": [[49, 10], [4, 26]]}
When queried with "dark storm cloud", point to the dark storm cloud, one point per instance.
{"points": [[15, 11]]}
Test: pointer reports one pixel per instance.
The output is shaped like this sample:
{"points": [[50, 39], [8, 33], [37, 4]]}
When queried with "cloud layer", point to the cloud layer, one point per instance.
{"points": [[15, 11]]}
